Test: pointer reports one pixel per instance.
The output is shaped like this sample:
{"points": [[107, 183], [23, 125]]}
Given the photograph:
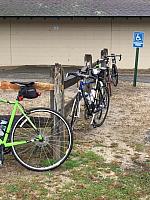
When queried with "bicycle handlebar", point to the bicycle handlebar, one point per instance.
{"points": [[80, 75], [115, 55]]}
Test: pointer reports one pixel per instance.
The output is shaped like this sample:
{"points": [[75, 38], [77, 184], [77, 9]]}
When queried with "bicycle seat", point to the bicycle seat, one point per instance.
{"points": [[22, 83]]}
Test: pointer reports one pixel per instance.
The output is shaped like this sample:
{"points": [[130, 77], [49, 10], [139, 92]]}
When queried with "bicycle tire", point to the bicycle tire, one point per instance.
{"points": [[103, 105], [75, 110], [109, 87], [107, 81], [114, 75], [56, 145]]}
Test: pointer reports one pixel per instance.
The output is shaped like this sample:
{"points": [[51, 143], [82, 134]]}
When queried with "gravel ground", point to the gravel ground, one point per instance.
{"points": [[125, 135]]}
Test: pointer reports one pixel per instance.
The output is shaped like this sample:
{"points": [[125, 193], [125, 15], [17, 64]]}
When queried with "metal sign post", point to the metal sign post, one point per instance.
{"points": [[138, 41], [136, 67]]}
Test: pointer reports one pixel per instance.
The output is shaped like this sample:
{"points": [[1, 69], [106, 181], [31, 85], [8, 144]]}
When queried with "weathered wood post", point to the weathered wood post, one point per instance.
{"points": [[104, 52], [87, 64], [52, 74], [59, 89], [88, 60], [59, 107]]}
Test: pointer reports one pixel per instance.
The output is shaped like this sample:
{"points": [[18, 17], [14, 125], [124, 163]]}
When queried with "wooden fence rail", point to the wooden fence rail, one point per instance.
{"points": [[6, 85]]}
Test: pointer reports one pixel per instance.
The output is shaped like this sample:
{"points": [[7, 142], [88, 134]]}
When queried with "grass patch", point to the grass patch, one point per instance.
{"points": [[80, 158], [129, 185], [24, 190], [90, 179], [139, 147], [99, 180], [70, 164], [12, 188]]}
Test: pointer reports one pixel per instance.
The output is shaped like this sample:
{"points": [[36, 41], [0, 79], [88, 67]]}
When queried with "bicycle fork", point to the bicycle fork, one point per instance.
{"points": [[77, 114]]}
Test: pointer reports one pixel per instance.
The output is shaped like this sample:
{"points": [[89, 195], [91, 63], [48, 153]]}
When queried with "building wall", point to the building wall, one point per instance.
{"points": [[39, 41]]}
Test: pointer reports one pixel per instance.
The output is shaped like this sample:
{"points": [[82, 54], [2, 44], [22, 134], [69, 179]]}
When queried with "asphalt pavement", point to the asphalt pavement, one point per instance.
{"points": [[34, 73], [29, 73], [143, 78]]}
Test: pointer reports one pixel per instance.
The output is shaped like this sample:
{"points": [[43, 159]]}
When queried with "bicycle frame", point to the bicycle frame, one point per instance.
{"points": [[82, 95], [16, 106]]}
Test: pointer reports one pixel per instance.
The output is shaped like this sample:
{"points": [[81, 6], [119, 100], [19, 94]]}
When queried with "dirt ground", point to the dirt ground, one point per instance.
{"points": [[125, 135], [124, 138]]}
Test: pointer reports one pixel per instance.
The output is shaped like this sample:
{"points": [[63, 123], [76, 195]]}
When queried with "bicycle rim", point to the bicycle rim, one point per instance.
{"points": [[102, 106], [55, 147], [114, 75], [74, 113], [109, 88]]}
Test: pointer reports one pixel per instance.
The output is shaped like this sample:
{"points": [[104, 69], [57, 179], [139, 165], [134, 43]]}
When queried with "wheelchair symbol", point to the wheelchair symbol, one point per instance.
{"points": [[138, 38]]}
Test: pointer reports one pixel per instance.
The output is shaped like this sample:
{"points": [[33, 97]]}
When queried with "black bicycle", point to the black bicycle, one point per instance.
{"points": [[109, 75], [105, 74], [114, 69], [94, 93]]}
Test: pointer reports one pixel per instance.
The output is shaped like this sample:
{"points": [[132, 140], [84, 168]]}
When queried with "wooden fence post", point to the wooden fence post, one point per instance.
{"points": [[88, 60], [104, 52], [59, 89], [58, 146], [52, 74]]}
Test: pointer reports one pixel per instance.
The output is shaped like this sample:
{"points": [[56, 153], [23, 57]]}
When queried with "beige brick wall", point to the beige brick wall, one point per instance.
{"points": [[39, 41]]}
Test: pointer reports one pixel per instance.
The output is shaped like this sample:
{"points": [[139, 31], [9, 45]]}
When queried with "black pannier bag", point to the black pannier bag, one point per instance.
{"points": [[28, 92]]}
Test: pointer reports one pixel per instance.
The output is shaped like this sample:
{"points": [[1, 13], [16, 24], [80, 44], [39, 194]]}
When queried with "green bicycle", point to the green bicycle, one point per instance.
{"points": [[40, 138]]}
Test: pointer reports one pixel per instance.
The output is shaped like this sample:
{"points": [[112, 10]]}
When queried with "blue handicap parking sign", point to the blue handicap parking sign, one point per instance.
{"points": [[138, 39]]}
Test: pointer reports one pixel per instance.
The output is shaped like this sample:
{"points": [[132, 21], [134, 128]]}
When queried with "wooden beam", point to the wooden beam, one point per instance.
{"points": [[6, 85], [44, 86]]}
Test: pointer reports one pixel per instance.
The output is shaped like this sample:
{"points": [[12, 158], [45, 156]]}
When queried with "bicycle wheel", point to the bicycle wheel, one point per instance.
{"points": [[56, 143], [101, 105], [114, 75], [109, 86], [74, 112]]}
